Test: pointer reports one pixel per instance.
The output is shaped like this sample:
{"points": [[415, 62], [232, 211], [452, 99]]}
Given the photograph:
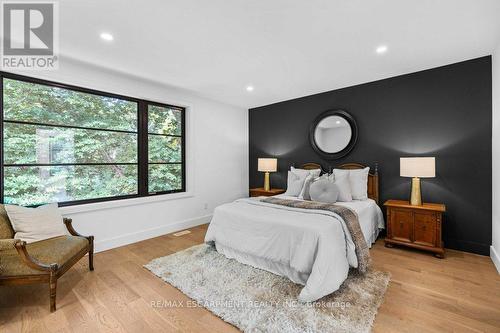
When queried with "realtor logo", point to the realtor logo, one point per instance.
{"points": [[29, 35]]}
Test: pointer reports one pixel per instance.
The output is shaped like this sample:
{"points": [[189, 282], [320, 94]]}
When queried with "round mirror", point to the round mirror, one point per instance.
{"points": [[333, 134]]}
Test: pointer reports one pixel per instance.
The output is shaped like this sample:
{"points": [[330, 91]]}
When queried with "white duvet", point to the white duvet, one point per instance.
{"points": [[310, 247]]}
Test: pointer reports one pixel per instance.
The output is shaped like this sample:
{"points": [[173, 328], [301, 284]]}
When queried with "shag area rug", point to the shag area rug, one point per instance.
{"points": [[258, 301]]}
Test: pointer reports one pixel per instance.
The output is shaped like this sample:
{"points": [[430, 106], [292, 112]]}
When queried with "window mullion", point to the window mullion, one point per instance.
{"points": [[1, 140], [183, 147], [142, 148], [32, 123]]}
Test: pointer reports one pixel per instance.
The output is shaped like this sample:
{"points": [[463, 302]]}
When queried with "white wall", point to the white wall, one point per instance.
{"points": [[216, 152], [495, 247]]}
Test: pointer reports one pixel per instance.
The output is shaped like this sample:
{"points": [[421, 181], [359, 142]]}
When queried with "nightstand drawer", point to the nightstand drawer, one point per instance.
{"points": [[401, 225], [425, 228]]}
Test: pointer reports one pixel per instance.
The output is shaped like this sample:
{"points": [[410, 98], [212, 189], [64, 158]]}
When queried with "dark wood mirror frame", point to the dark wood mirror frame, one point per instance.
{"points": [[354, 137]]}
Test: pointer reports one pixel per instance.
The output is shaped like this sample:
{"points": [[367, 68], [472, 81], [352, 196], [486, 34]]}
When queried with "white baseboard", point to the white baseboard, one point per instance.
{"points": [[495, 258], [111, 243]]}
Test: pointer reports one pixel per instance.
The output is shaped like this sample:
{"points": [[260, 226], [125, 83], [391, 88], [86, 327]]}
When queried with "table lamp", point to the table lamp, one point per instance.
{"points": [[416, 168], [267, 165]]}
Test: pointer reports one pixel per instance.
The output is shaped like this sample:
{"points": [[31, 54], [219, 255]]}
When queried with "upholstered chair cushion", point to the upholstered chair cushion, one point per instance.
{"points": [[6, 230], [58, 250], [7, 244], [36, 224]]}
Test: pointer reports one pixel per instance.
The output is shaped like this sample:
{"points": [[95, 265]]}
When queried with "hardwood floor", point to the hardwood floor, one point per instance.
{"points": [[458, 294]]}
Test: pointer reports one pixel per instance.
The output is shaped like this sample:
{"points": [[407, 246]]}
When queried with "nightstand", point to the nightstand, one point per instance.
{"points": [[257, 192], [418, 227]]}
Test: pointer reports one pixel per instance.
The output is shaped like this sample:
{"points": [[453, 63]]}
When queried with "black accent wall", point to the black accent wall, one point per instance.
{"points": [[443, 112]]}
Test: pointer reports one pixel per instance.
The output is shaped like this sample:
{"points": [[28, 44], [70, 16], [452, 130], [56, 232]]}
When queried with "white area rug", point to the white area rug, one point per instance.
{"points": [[258, 301]]}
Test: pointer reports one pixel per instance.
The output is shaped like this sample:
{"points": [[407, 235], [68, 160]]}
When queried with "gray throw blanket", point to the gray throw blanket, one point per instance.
{"points": [[348, 215]]}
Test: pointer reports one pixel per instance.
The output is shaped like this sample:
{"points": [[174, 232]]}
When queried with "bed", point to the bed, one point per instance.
{"points": [[310, 247]]}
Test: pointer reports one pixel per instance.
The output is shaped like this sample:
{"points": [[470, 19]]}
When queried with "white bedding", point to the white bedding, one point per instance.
{"points": [[310, 247], [369, 213]]}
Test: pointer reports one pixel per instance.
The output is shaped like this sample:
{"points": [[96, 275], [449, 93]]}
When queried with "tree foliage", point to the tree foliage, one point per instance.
{"points": [[34, 144]]}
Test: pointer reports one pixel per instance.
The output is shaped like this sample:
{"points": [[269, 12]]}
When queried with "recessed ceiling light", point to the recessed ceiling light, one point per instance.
{"points": [[337, 122], [381, 49], [106, 36], [249, 88]]}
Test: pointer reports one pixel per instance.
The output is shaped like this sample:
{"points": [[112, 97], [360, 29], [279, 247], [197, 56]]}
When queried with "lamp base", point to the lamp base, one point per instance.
{"points": [[416, 195], [267, 187]]}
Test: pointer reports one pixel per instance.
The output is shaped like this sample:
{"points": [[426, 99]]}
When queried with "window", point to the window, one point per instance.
{"points": [[72, 145], [165, 148]]}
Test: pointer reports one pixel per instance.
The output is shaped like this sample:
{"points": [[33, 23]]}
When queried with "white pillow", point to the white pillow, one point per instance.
{"points": [[324, 190], [358, 179], [295, 183], [314, 172], [344, 187], [304, 193], [36, 224]]}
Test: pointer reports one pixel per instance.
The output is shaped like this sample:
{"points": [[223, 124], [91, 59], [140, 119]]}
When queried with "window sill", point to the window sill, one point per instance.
{"points": [[67, 210]]}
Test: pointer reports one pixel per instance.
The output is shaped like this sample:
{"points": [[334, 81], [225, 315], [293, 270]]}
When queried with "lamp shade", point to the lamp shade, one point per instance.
{"points": [[267, 164], [421, 167]]}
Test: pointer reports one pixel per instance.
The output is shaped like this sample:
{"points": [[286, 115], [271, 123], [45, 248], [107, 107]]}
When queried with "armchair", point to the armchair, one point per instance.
{"points": [[43, 261]]}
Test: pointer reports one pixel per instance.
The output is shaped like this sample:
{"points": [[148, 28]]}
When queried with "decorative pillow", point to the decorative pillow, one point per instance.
{"points": [[295, 183], [323, 190], [358, 179], [344, 187], [304, 193], [36, 224]]}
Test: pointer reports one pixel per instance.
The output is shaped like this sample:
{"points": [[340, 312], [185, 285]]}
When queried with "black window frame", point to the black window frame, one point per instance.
{"points": [[142, 139]]}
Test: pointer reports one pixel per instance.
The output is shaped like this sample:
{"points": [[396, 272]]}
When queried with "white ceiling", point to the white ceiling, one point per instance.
{"points": [[284, 48]]}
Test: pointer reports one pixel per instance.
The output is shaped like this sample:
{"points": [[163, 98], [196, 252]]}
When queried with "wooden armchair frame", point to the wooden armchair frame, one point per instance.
{"points": [[50, 271]]}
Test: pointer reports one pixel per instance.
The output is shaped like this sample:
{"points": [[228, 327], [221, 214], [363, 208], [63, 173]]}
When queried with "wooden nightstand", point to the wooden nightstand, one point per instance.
{"points": [[415, 226], [257, 192]]}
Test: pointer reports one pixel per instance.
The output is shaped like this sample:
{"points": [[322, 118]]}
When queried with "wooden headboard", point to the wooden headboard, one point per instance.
{"points": [[312, 166], [373, 192]]}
